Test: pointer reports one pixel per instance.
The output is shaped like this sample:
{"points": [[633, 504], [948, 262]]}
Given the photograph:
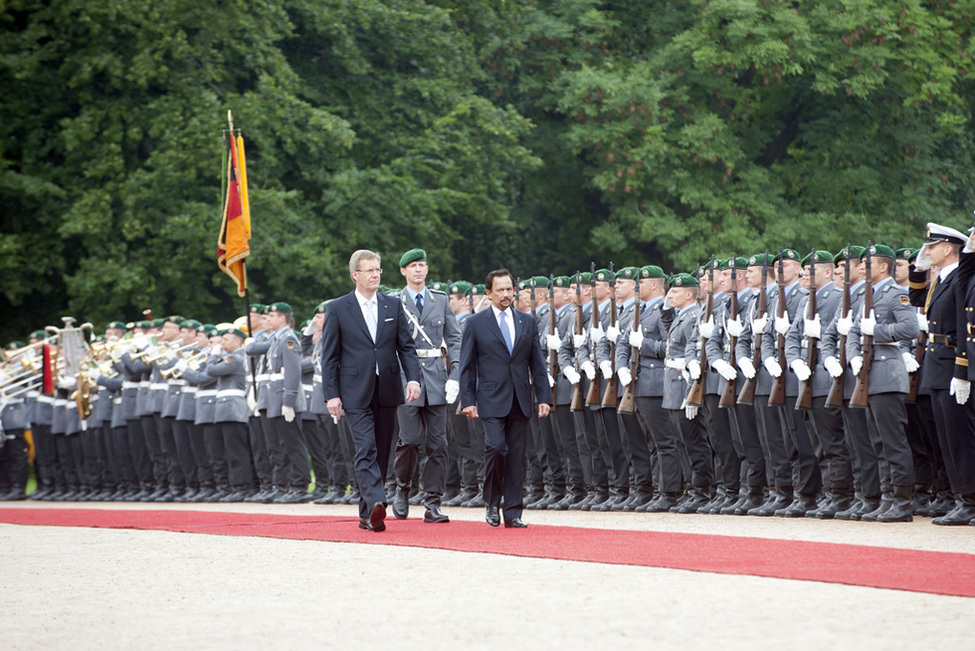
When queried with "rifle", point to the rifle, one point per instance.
{"points": [[531, 289], [835, 397], [553, 328], [913, 378], [593, 397], [861, 389], [777, 397], [577, 401], [628, 401], [610, 397], [728, 394], [747, 395], [806, 387], [695, 395]]}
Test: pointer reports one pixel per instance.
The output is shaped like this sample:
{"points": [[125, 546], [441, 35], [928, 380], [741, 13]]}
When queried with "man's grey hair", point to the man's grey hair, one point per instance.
{"points": [[360, 255]]}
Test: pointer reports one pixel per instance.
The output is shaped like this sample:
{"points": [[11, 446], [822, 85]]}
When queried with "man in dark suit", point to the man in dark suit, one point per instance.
{"points": [[499, 358], [365, 340]]}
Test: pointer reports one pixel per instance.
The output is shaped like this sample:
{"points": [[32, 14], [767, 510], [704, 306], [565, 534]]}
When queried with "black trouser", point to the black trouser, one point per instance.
{"points": [[338, 452], [91, 458], [807, 478], [258, 442], [745, 432], [13, 461], [45, 454], [925, 465], [167, 440], [828, 422], [140, 453], [123, 457], [66, 457], [698, 451], [866, 470], [555, 472], [889, 414], [535, 471], [611, 445], [157, 458], [426, 426], [564, 422], [587, 440], [670, 476], [294, 471], [184, 453], [240, 468], [928, 431], [727, 461], [956, 433], [469, 437], [216, 454], [641, 468], [201, 457], [106, 444], [504, 454], [314, 438], [778, 469]]}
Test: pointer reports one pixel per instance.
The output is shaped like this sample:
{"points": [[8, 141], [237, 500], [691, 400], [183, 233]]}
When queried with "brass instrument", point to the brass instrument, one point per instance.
{"points": [[170, 353], [194, 362], [11, 355], [82, 394]]}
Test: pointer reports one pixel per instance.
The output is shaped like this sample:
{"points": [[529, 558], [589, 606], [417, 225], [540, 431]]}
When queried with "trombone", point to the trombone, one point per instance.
{"points": [[194, 362], [11, 355]]}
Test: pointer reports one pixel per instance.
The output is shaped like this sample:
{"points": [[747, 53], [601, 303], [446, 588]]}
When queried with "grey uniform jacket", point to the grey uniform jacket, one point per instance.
{"points": [[746, 342], [231, 401], [564, 324], [206, 393], [675, 386], [831, 338], [795, 297], [896, 322], [440, 325], [713, 382], [131, 381], [113, 384], [258, 349], [655, 324], [309, 347], [284, 374], [828, 299], [598, 352], [719, 345]]}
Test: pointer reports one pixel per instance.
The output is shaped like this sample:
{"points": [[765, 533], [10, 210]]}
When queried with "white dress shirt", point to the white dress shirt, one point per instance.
{"points": [[509, 319]]}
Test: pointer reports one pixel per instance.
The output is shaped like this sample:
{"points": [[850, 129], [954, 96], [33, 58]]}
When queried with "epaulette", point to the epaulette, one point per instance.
{"points": [[436, 291]]}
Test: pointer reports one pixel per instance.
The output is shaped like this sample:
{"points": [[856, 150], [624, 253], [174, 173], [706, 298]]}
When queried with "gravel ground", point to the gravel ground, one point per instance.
{"points": [[64, 587]]}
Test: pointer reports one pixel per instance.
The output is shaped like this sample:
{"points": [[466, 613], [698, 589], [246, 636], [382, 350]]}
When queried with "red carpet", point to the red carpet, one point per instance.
{"points": [[879, 567]]}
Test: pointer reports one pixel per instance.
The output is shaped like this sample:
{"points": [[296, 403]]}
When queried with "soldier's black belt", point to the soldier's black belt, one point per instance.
{"points": [[944, 340]]}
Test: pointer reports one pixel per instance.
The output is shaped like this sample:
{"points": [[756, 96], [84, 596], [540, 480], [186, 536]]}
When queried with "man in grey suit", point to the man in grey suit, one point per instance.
{"points": [[436, 336]]}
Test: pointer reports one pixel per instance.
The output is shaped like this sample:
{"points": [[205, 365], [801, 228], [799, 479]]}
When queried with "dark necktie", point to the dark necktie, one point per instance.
{"points": [[419, 303]]}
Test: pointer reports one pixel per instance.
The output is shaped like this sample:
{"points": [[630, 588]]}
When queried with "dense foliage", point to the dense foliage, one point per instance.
{"points": [[539, 135]]}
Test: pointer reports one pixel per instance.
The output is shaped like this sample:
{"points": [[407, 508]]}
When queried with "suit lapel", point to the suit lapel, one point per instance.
{"points": [[382, 304], [356, 313]]}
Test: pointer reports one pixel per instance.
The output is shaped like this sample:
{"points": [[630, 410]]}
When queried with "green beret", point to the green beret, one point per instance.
{"points": [[759, 259], [629, 273], [412, 256], [116, 325], [37, 334], [818, 256], [459, 287], [602, 275], [14, 345], [561, 281], [280, 307], [257, 308], [206, 327], [914, 253], [479, 289], [211, 331], [906, 253], [652, 271], [192, 324], [438, 286], [99, 337], [303, 324], [879, 249], [158, 323], [383, 289], [320, 308], [174, 319], [145, 325], [854, 252], [739, 263], [582, 277], [787, 254], [541, 281], [684, 280]]}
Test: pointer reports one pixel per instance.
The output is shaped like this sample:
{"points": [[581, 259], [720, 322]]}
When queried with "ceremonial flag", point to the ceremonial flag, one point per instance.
{"points": [[232, 245]]}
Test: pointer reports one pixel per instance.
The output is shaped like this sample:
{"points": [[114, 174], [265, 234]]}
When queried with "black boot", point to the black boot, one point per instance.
{"points": [[901, 506], [963, 513]]}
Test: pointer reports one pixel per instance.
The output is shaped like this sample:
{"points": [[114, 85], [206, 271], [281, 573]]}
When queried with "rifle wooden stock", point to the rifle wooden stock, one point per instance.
{"points": [[915, 377], [611, 397], [777, 396], [804, 401], [628, 401], [695, 395], [747, 395], [553, 329], [835, 396], [728, 393], [593, 398], [861, 390]]}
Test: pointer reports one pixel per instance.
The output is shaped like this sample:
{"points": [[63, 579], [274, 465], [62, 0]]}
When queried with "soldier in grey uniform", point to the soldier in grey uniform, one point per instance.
{"points": [[437, 338], [231, 412], [205, 419], [13, 447], [311, 434], [822, 423], [257, 347], [686, 419], [165, 393], [285, 399], [650, 340]]}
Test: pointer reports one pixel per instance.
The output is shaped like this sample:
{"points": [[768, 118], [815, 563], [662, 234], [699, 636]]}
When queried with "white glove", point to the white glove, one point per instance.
{"points": [[216, 349], [970, 244], [613, 333], [676, 364], [758, 325], [922, 322], [961, 389], [84, 425], [734, 327], [248, 341], [843, 325], [171, 353], [551, 380], [706, 328], [151, 351], [578, 340], [251, 402], [813, 328], [868, 323], [910, 362], [747, 368], [288, 413], [636, 338], [833, 367], [589, 370], [452, 389], [694, 369], [571, 375], [309, 329], [772, 366], [923, 260], [856, 365], [801, 369], [607, 368], [725, 370], [94, 374], [67, 382], [181, 365], [596, 334], [782, 324], [690, 411], [624, 376], [553, 342]]}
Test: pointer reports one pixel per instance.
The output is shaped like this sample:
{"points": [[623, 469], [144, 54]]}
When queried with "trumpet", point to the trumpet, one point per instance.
{"points": [[10, 355], [170, 353], [194, 362]]}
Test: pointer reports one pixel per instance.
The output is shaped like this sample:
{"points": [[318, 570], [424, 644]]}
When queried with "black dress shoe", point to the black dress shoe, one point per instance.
{"points": [[515, 523], [434, 515], [376, 517], [492, 517], [364, 524], [401, 504]]}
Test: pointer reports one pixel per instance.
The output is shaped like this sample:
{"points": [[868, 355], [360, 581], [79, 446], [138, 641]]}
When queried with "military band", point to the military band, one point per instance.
{"points": [[827, 385]]}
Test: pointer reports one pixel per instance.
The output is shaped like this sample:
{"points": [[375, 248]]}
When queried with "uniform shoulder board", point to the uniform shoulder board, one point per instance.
{"points": [[826, 293], [436, 291]]}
